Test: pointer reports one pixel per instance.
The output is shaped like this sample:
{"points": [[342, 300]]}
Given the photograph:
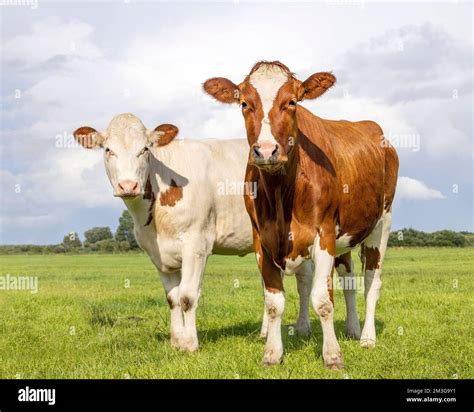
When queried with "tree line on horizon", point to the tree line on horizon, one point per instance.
{"points": [[96, 240], [102, 240]]}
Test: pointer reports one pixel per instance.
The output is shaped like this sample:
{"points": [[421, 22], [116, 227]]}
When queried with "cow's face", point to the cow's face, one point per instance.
{"points": [[268, 97], [126, 144]]}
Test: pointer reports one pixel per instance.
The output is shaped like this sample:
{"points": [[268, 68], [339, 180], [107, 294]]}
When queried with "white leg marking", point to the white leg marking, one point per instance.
{"points": [[348, 284], [324, 308], [264, 328], [373, 283], [304, 279], [171, 285], [274, 305]]}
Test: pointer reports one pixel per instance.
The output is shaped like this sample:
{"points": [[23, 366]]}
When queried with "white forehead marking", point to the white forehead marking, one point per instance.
{"points": [[127, 130], [267, 80]]}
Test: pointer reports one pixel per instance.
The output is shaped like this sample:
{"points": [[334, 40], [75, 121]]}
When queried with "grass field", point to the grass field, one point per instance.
{"points": [[85, 323]]}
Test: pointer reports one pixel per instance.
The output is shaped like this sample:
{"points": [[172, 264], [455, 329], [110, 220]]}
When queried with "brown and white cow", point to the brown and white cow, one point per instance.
{"points": [[323, 188], [175, 193]]}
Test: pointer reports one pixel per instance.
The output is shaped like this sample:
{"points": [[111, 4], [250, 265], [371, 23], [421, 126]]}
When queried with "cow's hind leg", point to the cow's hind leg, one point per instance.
{"points": [[304, 281], [345, 270], [373, 250], [171, 283]]}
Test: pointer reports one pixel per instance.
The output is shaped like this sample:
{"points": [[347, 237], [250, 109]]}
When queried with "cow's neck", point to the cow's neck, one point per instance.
{"points": [[276, 207]]}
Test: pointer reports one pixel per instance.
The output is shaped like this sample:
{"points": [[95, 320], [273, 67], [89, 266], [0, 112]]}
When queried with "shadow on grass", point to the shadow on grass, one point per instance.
{"points": [[291, 342], [339, 327]]}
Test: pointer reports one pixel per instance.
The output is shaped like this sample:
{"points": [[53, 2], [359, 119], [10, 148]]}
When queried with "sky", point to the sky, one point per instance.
{"points": [[406, 65]]}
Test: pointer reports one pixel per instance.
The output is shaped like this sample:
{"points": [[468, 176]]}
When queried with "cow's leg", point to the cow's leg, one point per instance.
{"points": [[304, 280], [321, 295], [345, 269], [274, 303], [195, 254], [264, 328], [258, 257], [274, 306], [171, 283], [374, 248]]}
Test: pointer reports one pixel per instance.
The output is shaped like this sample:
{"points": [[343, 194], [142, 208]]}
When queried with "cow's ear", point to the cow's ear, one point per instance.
{"points": [[162, 135], [316, 85], [222, 90], [89, 138]]}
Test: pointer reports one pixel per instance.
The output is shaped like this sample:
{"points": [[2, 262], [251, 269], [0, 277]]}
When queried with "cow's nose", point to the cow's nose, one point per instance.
{"points": [[128, 188], [266, 152]]}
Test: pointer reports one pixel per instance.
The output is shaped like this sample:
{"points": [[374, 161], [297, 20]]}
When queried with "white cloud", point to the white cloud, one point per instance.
{"points": [[413, 189], [51, 37]]}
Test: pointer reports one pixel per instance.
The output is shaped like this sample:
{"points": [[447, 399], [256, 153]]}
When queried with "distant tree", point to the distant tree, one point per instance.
{"points": [[96, 234], [411, 237], [107, 245], [448, 238], [59, 249], [125, 230], [124, 246], [71, 241]]}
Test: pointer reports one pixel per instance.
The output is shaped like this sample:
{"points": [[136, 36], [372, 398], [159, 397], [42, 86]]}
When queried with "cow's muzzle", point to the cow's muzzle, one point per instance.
{"points": [[127, 188], [267, 155]]}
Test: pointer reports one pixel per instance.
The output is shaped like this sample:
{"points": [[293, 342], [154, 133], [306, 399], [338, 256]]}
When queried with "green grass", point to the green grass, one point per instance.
{"points": [[424, 324]]}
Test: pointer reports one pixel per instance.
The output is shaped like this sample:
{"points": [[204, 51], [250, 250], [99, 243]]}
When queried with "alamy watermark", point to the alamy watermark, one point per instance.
{"points": [[9, 282], [402, 141], [28, 394], [231, 188], [33, 4], [349, 283]]}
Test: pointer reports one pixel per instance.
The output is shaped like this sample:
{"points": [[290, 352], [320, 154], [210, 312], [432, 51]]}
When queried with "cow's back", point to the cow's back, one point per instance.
{"points": [[210, 169], [365, 167]]}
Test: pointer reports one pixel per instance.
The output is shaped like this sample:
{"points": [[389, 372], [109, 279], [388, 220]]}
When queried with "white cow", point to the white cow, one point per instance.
{"points": [[181, 196]]}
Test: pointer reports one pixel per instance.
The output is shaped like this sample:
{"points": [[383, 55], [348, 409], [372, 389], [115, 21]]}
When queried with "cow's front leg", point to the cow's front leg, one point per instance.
{"points": [[194, 260], [264, 328], [323, 255], [171, 283], [274, 307]]}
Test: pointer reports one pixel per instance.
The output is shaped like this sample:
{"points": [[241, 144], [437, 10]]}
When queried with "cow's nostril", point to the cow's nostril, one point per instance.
{"points": [[256, 152], [135, 186], [275, 151]]}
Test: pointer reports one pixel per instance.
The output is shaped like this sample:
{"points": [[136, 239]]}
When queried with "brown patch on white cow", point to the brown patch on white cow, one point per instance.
{"points": [[172, 195], [371, 258]]}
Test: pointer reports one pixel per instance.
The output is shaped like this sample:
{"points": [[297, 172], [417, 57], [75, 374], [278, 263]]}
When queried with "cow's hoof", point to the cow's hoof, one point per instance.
{"points": [[303, 328], [189, 345], [334, 362], [272, 357], [367, 343], [174, 342], [353, 332]]}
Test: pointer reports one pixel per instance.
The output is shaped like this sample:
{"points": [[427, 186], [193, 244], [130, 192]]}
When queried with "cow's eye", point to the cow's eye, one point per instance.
{"points": [[292, 103], [109, 152], [244, 105]]}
